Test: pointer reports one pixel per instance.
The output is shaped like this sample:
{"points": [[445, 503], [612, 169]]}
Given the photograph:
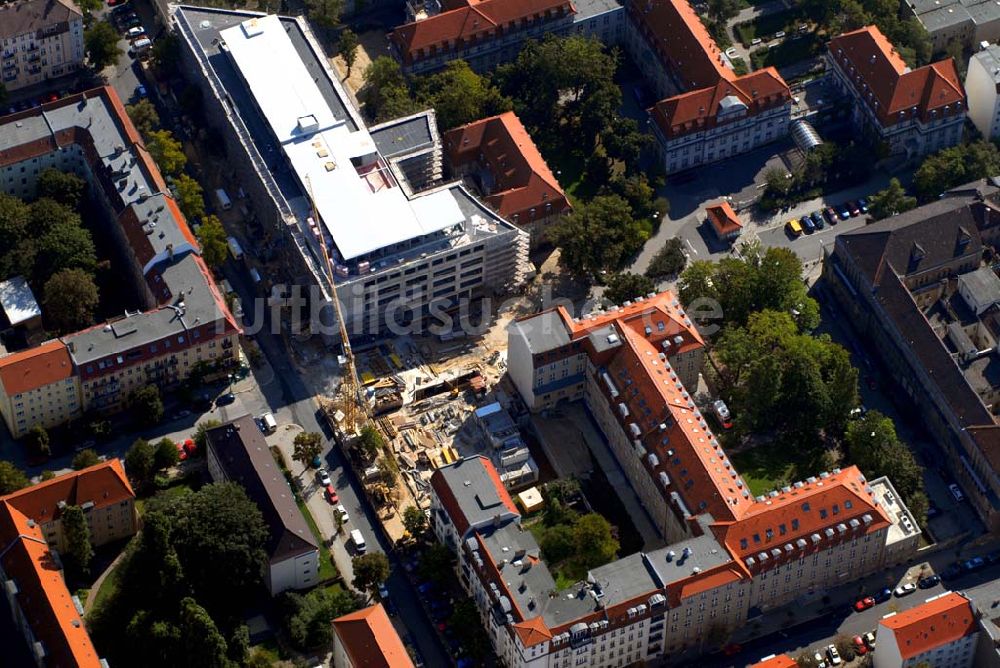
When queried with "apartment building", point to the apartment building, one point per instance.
{"points": [[911, 112], [499, 156], [367, 639], [350, 224], [39, 386], [706, 112], [965, 22], [942, 632], [44, 611], [982, 86], [181, 320], [39, 40], [237, 452], [900, 283]]}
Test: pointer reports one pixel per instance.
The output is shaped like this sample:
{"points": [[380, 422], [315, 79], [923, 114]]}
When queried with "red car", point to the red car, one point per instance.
{"points": [[864, 603], [331, 495], [181, 452], [860, 647]]}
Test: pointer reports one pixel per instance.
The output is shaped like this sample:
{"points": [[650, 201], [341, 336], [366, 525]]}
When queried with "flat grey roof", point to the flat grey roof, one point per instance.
{"points": [[542, 332], [989, 58], [982, 284], [473, 489], [404, 135], [705, 553], [586, 9]]}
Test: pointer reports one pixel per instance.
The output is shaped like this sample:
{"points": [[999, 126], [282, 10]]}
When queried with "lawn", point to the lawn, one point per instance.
{"points": [[327, 571], [774, 464], [109, 587], [569, 170], [788, 52], [766, 26]]}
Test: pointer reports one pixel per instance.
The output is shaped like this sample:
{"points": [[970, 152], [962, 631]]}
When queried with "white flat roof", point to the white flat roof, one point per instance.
{"points": [[18, 301], [361, 212]]}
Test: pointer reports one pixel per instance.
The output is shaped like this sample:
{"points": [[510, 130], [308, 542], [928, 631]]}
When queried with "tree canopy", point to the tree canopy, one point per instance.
{"points": [[593, 541], [37, 441], [954, 166], [347, 45], [11, 478], [84, 459], [140, 461], [167, 152], [415, 521], [101, 44], [144, 116], [165, 455], [600, 236], [668, 261], [626, 287], [890, 201], [873, 445], [189, 197], [325, 13], [370, 570], [70, 298], [212, 239], [307, 446], [65, 188], [459, 96], [146, 406], [386, 93], [79, 552], [307, 619]]}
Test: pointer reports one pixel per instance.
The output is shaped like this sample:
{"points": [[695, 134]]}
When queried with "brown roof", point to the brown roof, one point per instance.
{"points": [[723, 219], [242, 451], [103, 484], [476, 23], [25, 16], [533, 631], [523, 181], [42, 595], [895, 93], [36, 367], [370, 639], [938, 622]]}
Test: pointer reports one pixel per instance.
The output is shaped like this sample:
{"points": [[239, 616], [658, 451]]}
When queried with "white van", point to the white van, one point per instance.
{"points": [[235, 248], [223, 198], [358, 540], [135, 33], [141, 45], [270, 424]]}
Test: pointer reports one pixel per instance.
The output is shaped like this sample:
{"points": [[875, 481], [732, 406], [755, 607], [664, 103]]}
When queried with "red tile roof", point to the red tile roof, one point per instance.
{"points": [[776, 661], [370, 639], [36, 367], [476, 23], [662, 308], [523, 180], [676, 34], [723, 219], [533, 631], [938, 622], [102, 484], [881, 78]]}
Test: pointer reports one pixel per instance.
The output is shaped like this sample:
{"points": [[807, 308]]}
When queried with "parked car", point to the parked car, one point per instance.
{"points": [[843, 212], [755, 41], [882, 595], [905, 589], [323, 478], [817, 219], [853, 207], [929, 581], [794, 228], [819, 660], [869, 639], [834, 655], [952, 571], [779, 35], [225, 399], [863, 205], [342, 511], [831, 215], [331, 495], [864, 603], [973, 564], [807, 224], [860, 648], [956, 492]]}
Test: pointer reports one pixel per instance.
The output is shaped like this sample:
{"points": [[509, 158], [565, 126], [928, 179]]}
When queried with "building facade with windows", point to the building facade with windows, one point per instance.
{"points": [[911, 112], [182, 322], [982, 85], [39, 40], [942, 632]]}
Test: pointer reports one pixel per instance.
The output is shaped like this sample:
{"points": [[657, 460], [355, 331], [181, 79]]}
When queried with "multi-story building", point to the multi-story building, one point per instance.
{"points": [[727, 552], [982, 86], [965, 22], [498, 154], [237, 452], [348, 224], [914, 286], [45, 612], [39, 40], [942, 632], [39, 386], [367, 639], [485, 33], [181, 322], [911, 112], [706, 112]]}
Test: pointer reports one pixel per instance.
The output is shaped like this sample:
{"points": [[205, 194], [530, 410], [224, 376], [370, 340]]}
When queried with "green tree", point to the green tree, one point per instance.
{"points": [[347, 45], [370, 570], [140, 461], [212, 239], [721, 11], [90, 6], [386, 94], [599, 236], [307, 619], [594, 542], [890, 201], [558, 544], [167, 152], [65, 245], [325, 13], [101, 44], [627, 287], [165, 455], [873, 445], [307, 446], [189, 197], [65, 188], [47, 475], [199, 438], [166, 53], [78, 552], [84, 459], [370, 442], [37, 441], [668, 261], [954, 166], [437, 564], [239, 645], [144, 116], [470, 633], [459, 96], [11, 478], [146, 405], [203, 644], [415, 521], [624, 141], [70, 297]]}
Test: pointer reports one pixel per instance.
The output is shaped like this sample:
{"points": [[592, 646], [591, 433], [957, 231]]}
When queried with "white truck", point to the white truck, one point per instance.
{"points": [[235, 248], [358, 540], [223, 198]]}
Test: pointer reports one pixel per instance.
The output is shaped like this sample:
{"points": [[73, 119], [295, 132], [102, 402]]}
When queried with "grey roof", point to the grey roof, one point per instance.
{"points": [[940, 14], [405, 135], [605, 338], [243, 453], [24, 16], [587, 9], [18, 301], [473, 489], [982, 284], [705, 553], [542, 332], [989, 58]]}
